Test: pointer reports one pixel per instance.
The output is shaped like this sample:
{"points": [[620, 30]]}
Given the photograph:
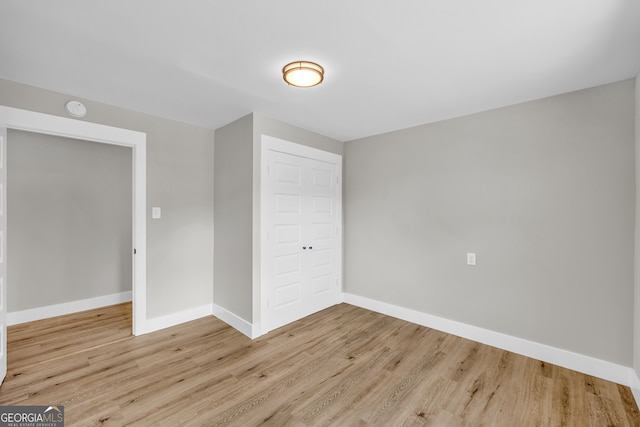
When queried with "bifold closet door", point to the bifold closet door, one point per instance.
{"points": [[300, 257]]}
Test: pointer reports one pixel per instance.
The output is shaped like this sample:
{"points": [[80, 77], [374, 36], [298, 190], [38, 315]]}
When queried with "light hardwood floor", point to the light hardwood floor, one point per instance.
{"points": [[344, 366]]}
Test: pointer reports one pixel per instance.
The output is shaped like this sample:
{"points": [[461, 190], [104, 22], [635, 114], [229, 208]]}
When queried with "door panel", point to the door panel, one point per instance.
{"points": [[287, 204], [287, 295], [286, 265], [300, 220], [288, 173], [321, 232], [322, 284], [321, 258], [322, 178], [322, 205], [287, 234]]}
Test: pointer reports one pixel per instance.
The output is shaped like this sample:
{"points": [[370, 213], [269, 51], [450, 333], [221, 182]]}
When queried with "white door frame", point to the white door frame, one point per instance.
{"points": [[13, 118], [276, 144]]}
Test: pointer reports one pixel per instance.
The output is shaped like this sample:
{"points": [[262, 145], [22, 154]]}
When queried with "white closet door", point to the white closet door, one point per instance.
{"points": [[322, 230], [301, 218]]}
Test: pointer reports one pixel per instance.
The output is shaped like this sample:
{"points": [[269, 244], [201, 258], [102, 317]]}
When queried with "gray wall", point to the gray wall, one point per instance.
{"points": [[179, 180], [233, 216], [237, 207], [636, 314], [543, 192], [277, 129], [69, 220]]}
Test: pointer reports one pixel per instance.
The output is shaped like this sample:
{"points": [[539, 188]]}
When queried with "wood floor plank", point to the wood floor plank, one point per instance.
{"points": [[344, 366], [47, 339]]}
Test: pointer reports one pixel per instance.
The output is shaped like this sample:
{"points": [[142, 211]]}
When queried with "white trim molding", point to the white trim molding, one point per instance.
{"points": [[236, 322], [174, 319], [38, 313], [578, 362], [636, 393], [30, 121]]}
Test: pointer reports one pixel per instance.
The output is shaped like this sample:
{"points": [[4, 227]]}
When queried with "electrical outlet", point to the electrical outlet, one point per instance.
{"points": [[471, 258]]}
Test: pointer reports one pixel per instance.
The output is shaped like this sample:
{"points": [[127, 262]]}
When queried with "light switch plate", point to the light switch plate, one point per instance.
{"points": [[156, 213], [471, 258]]}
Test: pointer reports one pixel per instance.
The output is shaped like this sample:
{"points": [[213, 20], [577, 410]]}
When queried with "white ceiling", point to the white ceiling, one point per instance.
{"points": [[389, 64]]}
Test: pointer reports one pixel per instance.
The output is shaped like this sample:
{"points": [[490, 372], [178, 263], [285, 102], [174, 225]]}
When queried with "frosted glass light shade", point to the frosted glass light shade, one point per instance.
{"points": [[303, 74]]}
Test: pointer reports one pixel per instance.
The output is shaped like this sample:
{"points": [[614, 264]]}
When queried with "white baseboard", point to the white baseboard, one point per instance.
{"points": [[23, 316], [173, 319], [235, 322], [636, 394], [578, 362]]}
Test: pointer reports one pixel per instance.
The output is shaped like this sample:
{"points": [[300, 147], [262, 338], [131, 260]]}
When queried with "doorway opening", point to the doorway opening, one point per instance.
{"points": [[69, 225], [23, 120], [29, 121]]}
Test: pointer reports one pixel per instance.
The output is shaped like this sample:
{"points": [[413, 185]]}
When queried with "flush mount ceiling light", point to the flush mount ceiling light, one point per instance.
{"points": [[303, 74]]}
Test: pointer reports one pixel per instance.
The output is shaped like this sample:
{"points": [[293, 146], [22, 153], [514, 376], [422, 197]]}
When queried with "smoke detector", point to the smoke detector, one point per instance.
{"points": [[75, 109]]}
